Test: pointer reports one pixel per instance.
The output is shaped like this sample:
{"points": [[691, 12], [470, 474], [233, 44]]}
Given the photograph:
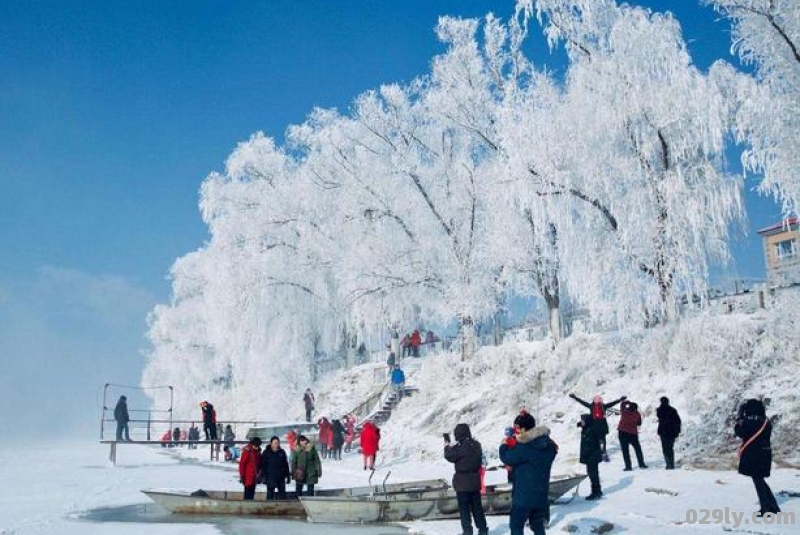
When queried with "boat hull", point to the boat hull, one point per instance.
{"points": [[425, 505], [210, 502]]}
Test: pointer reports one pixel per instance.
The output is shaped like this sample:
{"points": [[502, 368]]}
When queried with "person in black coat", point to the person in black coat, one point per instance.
{"points": [[467, 455], [338, 439], [122, 418], [755, 453], [598, 410], [275, 469], [669, 427], [531, 456], [591, 453]]}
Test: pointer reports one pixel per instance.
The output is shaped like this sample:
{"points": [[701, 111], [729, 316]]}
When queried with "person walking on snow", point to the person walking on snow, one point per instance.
{"points": [[530, 454], [669, 427], [370, 439], [275, 469], [308, 402], [324, 436], [628, 428], [467, 456], [598, 411], [306, 466], [122, 418], [591, 453], [416, 340], [249, 465], [755, 453], [398, 382]]}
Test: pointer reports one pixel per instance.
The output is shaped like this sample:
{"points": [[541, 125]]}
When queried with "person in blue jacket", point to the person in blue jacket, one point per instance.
{"points": [[398, 381], [531, 458]]}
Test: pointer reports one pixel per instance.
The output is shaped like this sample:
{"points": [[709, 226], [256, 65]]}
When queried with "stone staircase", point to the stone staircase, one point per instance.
{"points": [[389, 404]]}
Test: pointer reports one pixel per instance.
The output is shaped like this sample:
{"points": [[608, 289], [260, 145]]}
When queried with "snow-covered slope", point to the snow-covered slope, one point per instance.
{"points": [[705, 364]]}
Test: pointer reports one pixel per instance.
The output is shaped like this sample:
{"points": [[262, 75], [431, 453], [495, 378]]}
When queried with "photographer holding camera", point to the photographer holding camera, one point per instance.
{"points": [[467, 455]]}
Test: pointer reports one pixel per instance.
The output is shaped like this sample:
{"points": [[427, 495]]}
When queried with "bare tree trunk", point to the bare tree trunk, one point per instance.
{"points": [[466, 337], [553, 314]]}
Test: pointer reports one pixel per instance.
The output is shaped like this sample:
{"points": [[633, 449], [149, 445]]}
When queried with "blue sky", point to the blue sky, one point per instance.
{"points": [[112, 113]]}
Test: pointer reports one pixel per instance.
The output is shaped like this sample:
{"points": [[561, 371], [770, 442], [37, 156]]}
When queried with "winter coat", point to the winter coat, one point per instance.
{"points": [[416, 339], [531, 459], [308, 400], [209, 414], [591, 433], [274, 466], [406, 341], [629, 420], [291, 440], [337, 431], [230, 436], [194, 433], [755, 456], [392, 360], [370, 439], [121, 412], [349, 430], [598, 412], [398, 377], [308, 459], [669, 423], [176, 434], [324, 431], [249, 464], [467, 455]]}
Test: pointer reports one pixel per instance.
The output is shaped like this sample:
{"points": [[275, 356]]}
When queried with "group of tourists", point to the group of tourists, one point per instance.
{"points": [[336, 435], [527, 452], [303, 465], [410, 343]]}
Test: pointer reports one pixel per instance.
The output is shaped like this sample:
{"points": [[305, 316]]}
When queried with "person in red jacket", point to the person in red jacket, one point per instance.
{"points": [[416, 340], [249, 465], [349, 432], [291, 439], [370, 438], [324, 436], [628, 428]]}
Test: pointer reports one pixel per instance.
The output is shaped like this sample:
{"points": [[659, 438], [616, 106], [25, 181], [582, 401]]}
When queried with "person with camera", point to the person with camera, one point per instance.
{"points": [[755, 453], [467, 456], [530, 453]]}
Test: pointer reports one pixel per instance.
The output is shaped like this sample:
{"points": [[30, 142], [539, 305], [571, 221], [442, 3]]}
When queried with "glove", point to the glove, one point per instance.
{"points": [[624, 398]]}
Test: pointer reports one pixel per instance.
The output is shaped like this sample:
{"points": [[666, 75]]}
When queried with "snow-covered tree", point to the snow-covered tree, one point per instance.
{"points": [[766, 34]]}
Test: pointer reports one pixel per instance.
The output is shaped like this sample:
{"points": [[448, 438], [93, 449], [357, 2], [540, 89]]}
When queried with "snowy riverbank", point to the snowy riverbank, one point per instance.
{"points": [[70, 489]]}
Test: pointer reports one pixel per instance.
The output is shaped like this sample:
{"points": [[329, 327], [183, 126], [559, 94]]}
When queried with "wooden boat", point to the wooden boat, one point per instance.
{"points": [[222, 502], [432, 504]]}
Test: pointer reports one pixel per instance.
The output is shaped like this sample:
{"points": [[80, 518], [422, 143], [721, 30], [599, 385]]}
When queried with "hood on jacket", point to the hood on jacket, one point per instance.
{"points": [[529, 435], [462, 432]]}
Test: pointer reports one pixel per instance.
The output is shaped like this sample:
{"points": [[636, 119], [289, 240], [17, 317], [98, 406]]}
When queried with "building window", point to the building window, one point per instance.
{"points": [[786, 249]]}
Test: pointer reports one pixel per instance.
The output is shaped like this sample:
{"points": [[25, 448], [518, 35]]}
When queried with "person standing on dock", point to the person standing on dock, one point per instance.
{"points": [[306, 466], [209, 420], [122, 418], [249, 466], [275, 469]]}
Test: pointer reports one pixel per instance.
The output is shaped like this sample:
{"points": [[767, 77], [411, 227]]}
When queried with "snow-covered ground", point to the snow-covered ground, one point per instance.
{"points": [[69, 488]]}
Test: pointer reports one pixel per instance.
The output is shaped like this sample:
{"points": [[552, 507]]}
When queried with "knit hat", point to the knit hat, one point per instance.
{"points": [[525, 421]]}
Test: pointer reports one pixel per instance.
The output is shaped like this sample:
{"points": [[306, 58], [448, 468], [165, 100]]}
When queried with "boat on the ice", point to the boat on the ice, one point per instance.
{"points": [[429, 504], [231, 502]]}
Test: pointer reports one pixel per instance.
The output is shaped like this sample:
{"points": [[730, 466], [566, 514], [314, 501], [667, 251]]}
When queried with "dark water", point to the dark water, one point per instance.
{"points": [[149, 513]]}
